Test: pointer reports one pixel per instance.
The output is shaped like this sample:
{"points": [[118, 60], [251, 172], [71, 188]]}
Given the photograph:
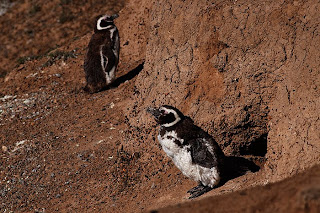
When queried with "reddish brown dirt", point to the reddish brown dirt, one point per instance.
{"points": [[298, 194], [34, 27], [64, 150]]}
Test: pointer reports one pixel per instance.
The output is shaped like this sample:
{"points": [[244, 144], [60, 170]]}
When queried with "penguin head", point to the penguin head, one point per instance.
{"points": [[105, 22], [165, 115]]}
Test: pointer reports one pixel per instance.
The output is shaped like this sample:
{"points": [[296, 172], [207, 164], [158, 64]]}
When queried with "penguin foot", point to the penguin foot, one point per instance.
{"points": [[196, 188], [199, 191]]}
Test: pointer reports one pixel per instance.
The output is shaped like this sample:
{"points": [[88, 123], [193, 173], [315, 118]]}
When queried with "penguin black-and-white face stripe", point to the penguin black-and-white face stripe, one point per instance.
{"points": [[166, 116], [171, 117], [106, 22]]}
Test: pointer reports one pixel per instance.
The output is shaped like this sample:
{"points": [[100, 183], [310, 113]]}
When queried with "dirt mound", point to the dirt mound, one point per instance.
{"points": [[298, 194], [245, 71]]}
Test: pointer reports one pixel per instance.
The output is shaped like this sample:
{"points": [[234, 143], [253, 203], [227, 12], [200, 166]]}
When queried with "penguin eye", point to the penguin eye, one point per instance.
{"points": [[163, 112], [104, 23]]}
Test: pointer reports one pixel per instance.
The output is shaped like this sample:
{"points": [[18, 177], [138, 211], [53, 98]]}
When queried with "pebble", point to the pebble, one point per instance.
{"points": [[27, 101], [100, 141], [4, 148]]}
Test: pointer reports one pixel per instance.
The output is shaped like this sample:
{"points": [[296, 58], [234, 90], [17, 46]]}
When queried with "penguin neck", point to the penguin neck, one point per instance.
{"points": [[172, 123], [110, 27]]}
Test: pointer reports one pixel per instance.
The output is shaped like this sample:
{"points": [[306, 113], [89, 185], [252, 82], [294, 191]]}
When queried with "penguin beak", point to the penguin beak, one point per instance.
{"points": [[155, 112], [114, 16]]}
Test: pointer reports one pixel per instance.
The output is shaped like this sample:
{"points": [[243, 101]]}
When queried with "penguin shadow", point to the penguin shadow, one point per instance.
{"points": [[128, 76], [236, 166], [120, 80]]}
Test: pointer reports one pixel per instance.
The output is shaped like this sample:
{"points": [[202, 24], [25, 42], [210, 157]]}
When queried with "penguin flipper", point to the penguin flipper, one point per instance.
{"points": [[110, 62], [103, 58], [201, 155]]}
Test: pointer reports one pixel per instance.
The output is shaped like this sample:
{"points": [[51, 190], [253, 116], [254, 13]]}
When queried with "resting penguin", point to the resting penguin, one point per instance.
{"points": [[102, 57], [191, 149]]}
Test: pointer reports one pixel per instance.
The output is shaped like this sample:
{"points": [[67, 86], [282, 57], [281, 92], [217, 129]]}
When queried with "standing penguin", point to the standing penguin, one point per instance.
{"points": [[103, 54], [191, 149]]}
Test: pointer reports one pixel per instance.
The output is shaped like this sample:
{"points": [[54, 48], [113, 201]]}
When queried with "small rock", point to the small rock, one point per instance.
{"points": [[27, 101], [100, 141], [153, 186], [21, 142], [4, 148]]}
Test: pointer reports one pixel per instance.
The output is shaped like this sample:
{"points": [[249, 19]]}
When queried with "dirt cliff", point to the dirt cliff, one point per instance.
{"points": [[242, 70], [246, 71]]}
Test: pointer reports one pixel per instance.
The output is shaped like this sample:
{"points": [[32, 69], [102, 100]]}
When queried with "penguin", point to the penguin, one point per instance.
{"points": [[196, 154], [102, 57]]}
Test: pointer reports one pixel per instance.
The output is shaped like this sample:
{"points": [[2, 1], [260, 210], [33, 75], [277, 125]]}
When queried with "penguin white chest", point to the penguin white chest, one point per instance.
{"points": [[168, 143], [181, 157]]}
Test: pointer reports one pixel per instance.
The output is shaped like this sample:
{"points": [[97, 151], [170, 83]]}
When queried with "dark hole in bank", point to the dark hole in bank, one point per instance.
{"points": [[253, 159], [257, 147]]}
